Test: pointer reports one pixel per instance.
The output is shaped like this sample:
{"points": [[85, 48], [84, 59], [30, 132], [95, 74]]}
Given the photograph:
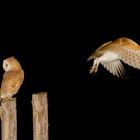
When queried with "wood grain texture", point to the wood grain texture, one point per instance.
{"points": [[40, 116], [9, 120]]}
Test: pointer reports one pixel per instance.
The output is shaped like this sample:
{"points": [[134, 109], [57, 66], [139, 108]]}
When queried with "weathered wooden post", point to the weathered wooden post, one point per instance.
{"points": [[9, 120], [40, 116]]}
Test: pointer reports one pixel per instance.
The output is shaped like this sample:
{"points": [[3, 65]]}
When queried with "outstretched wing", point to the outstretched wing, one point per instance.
{"points": [[130, 57], [128, 51]]}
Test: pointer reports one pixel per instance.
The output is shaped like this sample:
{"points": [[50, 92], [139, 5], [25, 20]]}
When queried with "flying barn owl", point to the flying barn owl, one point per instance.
{"points": [[12, 78], [111, 54]]}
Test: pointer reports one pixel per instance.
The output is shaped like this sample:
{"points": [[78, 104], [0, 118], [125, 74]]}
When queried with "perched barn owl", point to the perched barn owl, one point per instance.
{"points": [[111, 54], [12, 78]]}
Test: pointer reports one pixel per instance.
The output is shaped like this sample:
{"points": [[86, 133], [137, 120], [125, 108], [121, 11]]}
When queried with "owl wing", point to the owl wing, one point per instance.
{"points": [[128, 51], [11, 82], [130, 57], [116, 68]]}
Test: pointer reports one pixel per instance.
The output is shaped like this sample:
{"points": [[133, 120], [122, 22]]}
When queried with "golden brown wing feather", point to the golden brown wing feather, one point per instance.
{"points": [[11, 83], [127, 43], [127, 49], [130, 57]]}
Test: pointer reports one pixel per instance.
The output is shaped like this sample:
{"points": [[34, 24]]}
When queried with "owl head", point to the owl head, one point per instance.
{"points": [[10, 64]]}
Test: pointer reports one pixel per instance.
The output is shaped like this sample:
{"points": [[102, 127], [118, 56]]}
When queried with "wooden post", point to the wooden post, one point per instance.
{"points": [[9, 120], [40, 116]]}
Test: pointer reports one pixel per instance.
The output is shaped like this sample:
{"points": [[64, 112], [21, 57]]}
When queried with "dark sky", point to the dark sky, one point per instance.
{"points": [[53, 48]]}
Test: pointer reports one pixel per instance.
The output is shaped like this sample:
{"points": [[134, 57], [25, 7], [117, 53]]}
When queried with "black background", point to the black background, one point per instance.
{"points": [[53, 44]]}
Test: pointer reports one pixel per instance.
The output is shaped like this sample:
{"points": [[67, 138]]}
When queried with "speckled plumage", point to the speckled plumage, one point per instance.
{"points": [[111, 54], [12, 78]]}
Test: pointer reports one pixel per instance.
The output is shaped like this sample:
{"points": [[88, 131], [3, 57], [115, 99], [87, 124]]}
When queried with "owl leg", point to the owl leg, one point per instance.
{"points": [[94, 68]]}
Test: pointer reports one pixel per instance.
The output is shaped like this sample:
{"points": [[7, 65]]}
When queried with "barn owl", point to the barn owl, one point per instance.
{"points": [[12, 78], [111, 54]]}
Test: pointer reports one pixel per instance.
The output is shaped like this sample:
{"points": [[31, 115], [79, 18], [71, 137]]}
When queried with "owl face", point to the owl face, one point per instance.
{"points": [[6, 65], [11, 64]]}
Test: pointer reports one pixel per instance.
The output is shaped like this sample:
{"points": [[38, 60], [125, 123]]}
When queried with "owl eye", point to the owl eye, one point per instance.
{"points": [[5, 66]]}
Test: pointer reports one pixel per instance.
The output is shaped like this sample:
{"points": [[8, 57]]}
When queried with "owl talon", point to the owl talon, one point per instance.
{"points": [[93, 69], [7, 99]]}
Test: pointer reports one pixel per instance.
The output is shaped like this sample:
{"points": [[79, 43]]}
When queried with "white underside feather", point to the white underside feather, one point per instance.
{"points": [[116, 68]]}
